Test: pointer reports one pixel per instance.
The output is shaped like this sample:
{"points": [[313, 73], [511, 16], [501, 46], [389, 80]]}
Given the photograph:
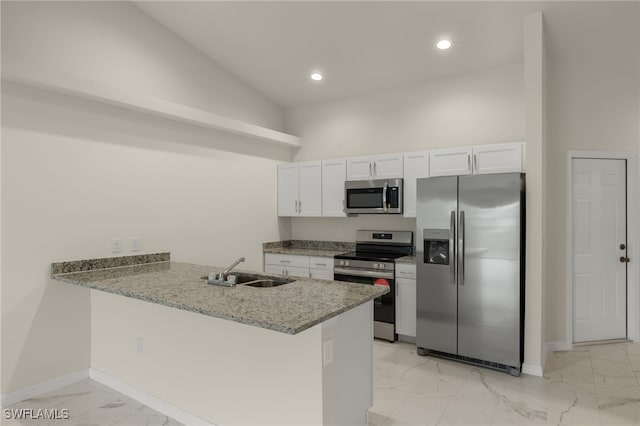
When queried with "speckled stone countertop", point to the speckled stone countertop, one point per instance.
{"points": [[406, 259], [308, 247], [290, 308]]}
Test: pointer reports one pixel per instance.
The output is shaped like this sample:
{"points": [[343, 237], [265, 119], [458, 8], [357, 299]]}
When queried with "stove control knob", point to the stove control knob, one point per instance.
{"points": [[381, 266], [342, 263], [347, 263], [375, 266]]}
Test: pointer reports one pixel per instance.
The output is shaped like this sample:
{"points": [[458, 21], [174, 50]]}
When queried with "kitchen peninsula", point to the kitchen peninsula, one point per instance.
{"points": [[292, 354]]}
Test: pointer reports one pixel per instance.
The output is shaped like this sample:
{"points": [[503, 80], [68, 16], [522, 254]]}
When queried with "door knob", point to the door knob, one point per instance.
{"points": [[624, 259], [622, 247]]}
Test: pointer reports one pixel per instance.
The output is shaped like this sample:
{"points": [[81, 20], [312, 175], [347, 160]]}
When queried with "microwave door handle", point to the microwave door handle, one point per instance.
{"points": [[452, 245], [384, 196]]}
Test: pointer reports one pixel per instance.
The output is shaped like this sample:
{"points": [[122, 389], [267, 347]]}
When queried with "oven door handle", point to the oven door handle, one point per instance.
{"points": [[361, 273]]}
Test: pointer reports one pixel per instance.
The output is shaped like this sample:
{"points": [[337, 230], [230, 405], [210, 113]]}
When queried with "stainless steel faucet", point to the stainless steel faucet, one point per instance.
{"points": [[222, 276]]}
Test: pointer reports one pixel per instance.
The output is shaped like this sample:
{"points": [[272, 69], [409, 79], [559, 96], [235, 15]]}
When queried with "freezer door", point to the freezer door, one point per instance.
{"points": [[489, 283], [436, 292]]}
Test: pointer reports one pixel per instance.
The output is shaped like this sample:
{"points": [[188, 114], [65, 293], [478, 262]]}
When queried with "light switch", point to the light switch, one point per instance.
{"points": [[327, 351]]}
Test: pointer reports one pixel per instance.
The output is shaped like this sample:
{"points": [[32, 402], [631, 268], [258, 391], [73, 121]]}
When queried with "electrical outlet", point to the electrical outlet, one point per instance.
{"points": [[139, 345], [135, 244], [116, 245]]}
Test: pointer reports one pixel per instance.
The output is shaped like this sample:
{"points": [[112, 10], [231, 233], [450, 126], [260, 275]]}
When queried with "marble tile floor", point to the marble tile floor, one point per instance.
{"points": [[589, 385], [89, 403]]}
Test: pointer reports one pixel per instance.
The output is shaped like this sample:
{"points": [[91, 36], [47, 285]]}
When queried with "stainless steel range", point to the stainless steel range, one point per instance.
{"points": [[373, 263]]}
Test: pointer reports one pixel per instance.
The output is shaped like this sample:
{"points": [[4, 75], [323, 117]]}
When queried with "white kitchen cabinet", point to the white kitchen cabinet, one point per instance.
{"points": [[416, 166], [321, 267], [285, 264], [406, 299], [310, 189], [387, 166], [288, 189], [498, 158], [334, 173], [450, 162], [300, 189]]}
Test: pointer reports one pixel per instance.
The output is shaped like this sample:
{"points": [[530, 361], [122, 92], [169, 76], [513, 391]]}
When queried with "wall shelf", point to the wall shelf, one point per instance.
{"points": [[32, 75]]}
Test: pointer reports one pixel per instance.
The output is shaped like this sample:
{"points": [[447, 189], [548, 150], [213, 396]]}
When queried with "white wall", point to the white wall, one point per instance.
{"points": [[76, 174], [593, 103], [117, 44], [485, 107]]}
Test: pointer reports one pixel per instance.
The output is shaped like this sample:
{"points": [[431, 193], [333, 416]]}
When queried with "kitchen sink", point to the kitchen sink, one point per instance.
{"points": [[256, 280]]}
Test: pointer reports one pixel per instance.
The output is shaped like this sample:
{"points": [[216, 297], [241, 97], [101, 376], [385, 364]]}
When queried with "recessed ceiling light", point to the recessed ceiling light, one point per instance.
{"points": [[316, 76], [444, 44]]}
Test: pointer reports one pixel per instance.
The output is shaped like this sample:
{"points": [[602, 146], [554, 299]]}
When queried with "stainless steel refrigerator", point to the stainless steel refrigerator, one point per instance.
{"points": [[470, 269]]}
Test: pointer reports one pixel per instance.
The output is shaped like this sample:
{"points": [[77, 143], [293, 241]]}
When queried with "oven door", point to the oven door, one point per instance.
{"points": [[384, 309]]}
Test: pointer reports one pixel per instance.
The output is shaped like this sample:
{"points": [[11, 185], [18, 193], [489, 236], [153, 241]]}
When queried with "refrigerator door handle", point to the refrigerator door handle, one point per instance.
{"points": [[452, 245], [461, 242]]}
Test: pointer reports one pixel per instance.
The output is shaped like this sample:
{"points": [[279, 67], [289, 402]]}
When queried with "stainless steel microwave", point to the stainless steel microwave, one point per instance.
{"points": [[373, 196]]}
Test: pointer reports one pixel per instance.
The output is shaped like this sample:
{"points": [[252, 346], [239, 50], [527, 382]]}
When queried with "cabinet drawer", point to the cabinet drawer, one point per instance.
{"points": [[405, 270], [295, 271], [286, 260], [324, 263]]}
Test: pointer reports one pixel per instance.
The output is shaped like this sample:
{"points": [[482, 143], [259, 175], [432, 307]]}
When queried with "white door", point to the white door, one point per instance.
{"points": [[599, 249]]}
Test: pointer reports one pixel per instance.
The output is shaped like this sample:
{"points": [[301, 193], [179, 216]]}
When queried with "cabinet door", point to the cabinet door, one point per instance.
{"points": [[406, 307], [388, 166], [310, 189], [334, 173], [498, 158], [416, 165], [288, 189], [321, 274], [359, 168], [450, 162], [296, 271], [274, 269]]}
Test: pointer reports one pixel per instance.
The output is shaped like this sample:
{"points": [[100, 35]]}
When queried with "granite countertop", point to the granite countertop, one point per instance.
{"points": [[308, 247], [290, 308], [406, 259]]}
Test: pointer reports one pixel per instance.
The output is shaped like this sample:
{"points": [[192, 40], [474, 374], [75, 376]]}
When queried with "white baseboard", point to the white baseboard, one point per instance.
{"points": [[558, 346], [532, 370], [40, 388], [149, 400]]}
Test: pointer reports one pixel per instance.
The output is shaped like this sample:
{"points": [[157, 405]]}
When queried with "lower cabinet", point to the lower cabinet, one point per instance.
{"points": [[321, 268], [406, 299], [299, 266]]}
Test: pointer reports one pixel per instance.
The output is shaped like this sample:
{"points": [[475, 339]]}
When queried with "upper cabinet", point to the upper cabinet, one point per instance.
{"points": [[416, 166], [334, 173], [481, 159], [498, 158], [450, 162], [387, 166], [300, 189]]}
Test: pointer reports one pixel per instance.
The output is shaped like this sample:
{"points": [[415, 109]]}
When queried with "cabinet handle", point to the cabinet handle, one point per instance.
{"points": [[375, 172], [370, 173], [285, 261], [321, 264], [299, 206], [469, 161], [475, 162]]}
